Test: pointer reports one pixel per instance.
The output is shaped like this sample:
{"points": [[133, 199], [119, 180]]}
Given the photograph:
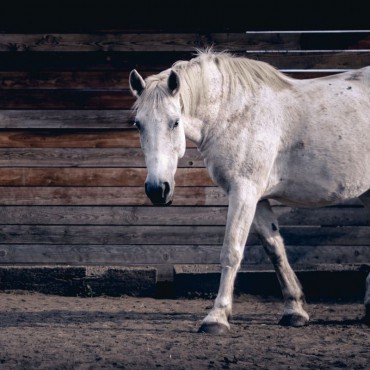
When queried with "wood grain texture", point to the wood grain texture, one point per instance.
{"points": [[111, 196], [63, 80], [131, 42], [66, 99], [95, 177], [71, 167], [92, 61], [112, 215], [72, 139], [134, 42], [195, 234], [175, 215], [69, 139], [195, 196], [313, 60], [66, 119], [86, 157], [170, 254]]}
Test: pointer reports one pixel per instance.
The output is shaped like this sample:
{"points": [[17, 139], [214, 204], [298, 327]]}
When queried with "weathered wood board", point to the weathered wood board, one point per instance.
{"points": [[71, 167]]}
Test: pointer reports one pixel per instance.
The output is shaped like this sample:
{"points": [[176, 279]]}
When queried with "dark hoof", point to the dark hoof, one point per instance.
{"points": [[214, 329], [293, 320]]}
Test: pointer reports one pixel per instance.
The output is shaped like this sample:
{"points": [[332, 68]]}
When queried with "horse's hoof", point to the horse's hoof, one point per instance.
{"points": [[214, 329], [293, 320]]}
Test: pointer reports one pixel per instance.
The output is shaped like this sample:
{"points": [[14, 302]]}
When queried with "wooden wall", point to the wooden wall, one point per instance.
{"points": [[72, 171]]}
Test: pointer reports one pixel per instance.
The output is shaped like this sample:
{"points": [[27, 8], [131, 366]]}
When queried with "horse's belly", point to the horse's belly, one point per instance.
{"points": [[297, 194], [305, 184]]}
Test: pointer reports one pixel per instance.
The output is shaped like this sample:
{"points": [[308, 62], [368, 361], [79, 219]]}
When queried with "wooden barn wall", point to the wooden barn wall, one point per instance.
{"points": [[71, 167]]}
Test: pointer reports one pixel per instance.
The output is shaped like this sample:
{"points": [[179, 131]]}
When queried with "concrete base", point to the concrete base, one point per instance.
{"points": [[87, 281], [345, 282]]}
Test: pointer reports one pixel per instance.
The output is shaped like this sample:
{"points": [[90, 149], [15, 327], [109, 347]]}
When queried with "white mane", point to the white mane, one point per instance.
{"points": [[234, 70]]}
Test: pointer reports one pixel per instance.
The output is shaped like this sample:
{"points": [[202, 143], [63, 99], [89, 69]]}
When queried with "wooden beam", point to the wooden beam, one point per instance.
{"points": [[133, 42], [69, 139], [86, 157], [112, 215], [95, 177], [160, 234], [195, 196], [176, 215], [72, 139], [31, 80], [66, 119], [171, 254], [66, 99]]}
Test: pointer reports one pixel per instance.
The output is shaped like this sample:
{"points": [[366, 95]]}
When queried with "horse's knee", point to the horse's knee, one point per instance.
{"points": [[231, 257]]}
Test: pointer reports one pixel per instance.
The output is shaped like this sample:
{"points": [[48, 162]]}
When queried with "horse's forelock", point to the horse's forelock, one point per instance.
{"points": [[155, 92]]}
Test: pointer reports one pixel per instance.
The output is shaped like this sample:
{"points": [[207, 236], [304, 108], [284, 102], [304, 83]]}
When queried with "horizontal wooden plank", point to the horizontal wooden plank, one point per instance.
{"points": [[95, 177], [312, 60], [66, 119], [71, 139], [132, 42], [114, 215], [63, 80], [327, 216], [195, 234], [105, 196], [116, 196], [69, 42], [148, 63], [86, 157], [175, 215], [311, 254], [61, 234], [66, 99], [118, 42], [170, 254], [91, 61], [309, 40]]}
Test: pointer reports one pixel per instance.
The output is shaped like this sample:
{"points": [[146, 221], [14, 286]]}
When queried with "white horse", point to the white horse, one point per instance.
{"points": [[263, 136]]}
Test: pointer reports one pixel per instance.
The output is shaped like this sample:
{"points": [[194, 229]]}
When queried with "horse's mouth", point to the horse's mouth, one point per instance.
{"points": [[167, 204]]}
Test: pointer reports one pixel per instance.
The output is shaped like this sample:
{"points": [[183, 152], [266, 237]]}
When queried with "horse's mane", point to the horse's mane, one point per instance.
{"points": [[248, 73]]}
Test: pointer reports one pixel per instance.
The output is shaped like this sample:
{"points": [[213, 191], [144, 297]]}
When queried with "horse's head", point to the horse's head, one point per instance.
{"points": [[162, 136]]}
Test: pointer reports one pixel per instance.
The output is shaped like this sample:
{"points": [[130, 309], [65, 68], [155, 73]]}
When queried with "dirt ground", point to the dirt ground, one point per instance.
{"points": [[53, 332]]}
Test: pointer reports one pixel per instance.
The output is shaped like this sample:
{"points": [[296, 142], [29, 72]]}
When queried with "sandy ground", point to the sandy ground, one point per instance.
{"points": [[54, 332]]}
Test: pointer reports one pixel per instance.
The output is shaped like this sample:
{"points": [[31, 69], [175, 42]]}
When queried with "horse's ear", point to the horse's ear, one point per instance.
{"points": [[137, 84], [173, 82]]}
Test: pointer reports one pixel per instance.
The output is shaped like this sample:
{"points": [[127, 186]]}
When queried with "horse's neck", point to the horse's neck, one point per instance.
{"points": [[194, 130]]}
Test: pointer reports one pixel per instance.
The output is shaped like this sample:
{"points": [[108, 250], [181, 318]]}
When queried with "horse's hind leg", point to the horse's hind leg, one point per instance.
{"points": [[266, 225], [365, 199]]}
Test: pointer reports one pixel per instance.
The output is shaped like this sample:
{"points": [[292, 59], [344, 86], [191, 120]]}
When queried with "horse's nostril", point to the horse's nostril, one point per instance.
{"points": [[166, 189], [146, 186]]}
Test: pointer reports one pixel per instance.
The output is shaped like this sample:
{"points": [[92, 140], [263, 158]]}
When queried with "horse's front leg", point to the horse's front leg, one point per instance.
{"points": [[242, 205]]}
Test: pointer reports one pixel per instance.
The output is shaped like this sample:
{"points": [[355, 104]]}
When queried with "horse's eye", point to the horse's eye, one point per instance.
{"points": [[137, 124], [175, 124]]}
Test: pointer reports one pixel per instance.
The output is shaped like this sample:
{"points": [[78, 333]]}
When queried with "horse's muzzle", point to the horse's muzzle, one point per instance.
{"points": [[158, 193]]}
